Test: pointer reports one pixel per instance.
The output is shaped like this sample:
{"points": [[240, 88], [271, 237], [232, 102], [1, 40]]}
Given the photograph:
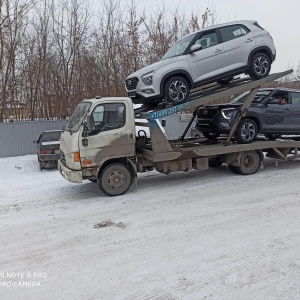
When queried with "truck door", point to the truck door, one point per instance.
{"points": [[112, 137], [277, 117]]}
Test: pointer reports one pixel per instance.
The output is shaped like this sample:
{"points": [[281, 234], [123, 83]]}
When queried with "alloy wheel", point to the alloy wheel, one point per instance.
{"points": [[177, 91], [248, 132], [261, 66]]}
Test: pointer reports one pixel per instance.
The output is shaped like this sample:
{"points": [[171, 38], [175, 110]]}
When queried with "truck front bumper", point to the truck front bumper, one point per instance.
{"points": [[70, 175]]}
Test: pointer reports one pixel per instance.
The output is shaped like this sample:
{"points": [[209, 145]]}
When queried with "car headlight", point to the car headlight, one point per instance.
{"points": [[227, 112], [147, 78]]}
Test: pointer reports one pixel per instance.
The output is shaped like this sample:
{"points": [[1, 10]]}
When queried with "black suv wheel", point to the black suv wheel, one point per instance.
{"points": [[177, 90], [246, 131], [260, 66]]}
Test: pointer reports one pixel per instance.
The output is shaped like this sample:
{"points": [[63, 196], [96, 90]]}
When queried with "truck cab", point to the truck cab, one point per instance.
{"points": [[99, 130]]}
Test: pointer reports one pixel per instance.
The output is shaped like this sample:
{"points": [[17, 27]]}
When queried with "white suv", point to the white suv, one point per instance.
{"points": [[212, 54]]}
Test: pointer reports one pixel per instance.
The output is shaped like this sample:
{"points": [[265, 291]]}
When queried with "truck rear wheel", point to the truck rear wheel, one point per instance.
{"points": [[115, 179], [249, 164]]}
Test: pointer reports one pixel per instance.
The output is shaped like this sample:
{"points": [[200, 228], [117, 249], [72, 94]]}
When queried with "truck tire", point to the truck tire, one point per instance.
{"points": [[115, 179], [260, 66], [246, 131], [233, 169], [250, 163], [177, 90]]}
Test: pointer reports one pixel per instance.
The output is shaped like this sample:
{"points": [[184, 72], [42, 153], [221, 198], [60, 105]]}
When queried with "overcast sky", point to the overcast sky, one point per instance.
{"points": [[280, 17]]}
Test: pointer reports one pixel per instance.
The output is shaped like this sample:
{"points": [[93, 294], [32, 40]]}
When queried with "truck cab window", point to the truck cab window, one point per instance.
{"points": [[109, 116]]}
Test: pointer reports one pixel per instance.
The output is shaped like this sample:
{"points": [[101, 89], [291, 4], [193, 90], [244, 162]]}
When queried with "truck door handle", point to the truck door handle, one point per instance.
{"points": [[249, 40], [287, 109], [217, 50]]}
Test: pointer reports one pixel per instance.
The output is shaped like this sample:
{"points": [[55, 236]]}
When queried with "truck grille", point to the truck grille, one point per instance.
{"points": [[207, 113], [131, 83], [62, 158]]}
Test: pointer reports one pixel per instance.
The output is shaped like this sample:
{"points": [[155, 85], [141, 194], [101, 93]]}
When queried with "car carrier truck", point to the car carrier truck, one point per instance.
{"points": [[99, 142]]}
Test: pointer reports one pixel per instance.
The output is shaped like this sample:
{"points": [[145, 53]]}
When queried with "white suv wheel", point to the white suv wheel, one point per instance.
{"points": [[260, 66], [177, 90]]}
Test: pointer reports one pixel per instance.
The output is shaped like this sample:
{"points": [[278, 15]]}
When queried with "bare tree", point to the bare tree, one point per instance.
{"points": [[55, 53], [70, 32], [160, 33], [13, 21]]}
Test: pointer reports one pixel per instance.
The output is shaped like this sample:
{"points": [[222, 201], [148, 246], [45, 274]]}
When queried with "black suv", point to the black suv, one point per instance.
{"points": [[267, 115]]}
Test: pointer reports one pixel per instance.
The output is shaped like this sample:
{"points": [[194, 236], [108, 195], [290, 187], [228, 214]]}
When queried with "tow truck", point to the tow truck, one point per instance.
{"points": [[100, 143]]}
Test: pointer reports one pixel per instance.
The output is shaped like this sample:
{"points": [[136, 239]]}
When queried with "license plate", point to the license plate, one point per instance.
{"points": [[131, 94], [57, 151]]}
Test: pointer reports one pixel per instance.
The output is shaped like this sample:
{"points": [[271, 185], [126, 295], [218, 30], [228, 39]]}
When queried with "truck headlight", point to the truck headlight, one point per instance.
{"points": [[227, 112], [147, 78]]}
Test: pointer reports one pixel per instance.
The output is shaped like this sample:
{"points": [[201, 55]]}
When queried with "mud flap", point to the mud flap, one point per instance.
{"points": [[133, 168]]}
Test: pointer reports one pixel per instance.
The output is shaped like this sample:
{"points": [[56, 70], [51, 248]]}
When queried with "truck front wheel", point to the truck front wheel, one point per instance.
{"points": [[115, 179]]}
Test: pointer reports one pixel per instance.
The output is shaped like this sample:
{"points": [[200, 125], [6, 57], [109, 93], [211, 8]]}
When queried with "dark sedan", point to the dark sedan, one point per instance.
{"points": [[48, 147], [273, 112]]}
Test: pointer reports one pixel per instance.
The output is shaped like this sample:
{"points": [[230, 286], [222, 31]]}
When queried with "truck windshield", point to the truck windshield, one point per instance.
{"points": [[260, 96], [77, 117], [179, 47]]}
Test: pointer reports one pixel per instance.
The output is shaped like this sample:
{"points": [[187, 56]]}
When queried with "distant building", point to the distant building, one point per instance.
{"points": [[17, 109]]}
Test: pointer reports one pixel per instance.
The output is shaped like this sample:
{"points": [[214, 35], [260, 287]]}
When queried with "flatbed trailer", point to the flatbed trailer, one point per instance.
{"points": [[116, 157]]}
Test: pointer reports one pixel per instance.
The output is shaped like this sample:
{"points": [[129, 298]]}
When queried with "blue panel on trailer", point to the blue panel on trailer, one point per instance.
{"points": [[169, 111]]}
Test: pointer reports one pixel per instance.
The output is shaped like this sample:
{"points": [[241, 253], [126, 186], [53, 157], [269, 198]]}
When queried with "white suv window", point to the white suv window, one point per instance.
{"points": [[207, 40], [179, 48], [232, 32]]}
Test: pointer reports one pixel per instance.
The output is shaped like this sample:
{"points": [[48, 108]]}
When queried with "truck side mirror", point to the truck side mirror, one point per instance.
{"points": [[163, 122], [90, 123]]}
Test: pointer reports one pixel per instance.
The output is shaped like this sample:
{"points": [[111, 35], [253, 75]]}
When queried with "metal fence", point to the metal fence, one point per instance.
{"points": [[16, 138]]}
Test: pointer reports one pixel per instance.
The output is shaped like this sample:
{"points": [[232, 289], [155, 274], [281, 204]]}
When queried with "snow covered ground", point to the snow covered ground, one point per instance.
{"points": [[194, 235]]}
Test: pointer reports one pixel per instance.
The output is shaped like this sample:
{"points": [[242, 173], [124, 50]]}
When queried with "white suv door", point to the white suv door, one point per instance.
{"points": [[210, 60], [238, 42]]}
